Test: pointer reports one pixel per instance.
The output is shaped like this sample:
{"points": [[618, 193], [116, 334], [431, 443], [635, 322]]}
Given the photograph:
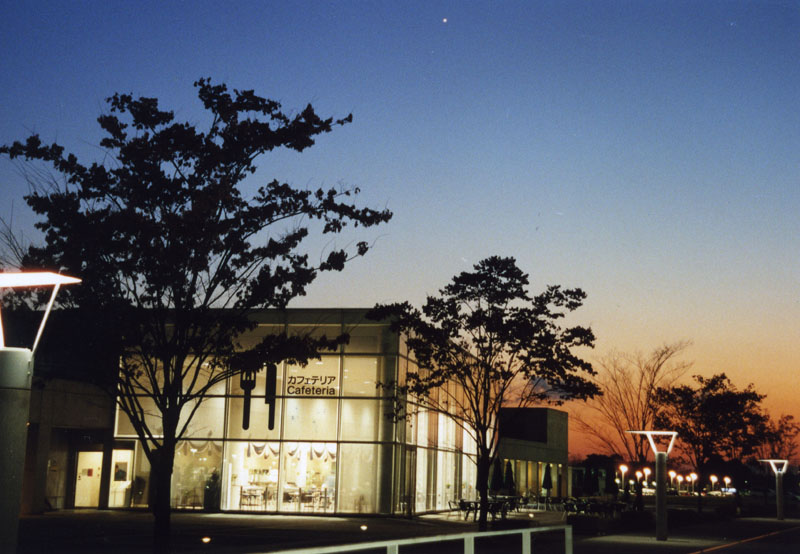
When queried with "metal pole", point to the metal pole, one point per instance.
{"points": [[661, 496], [779, 493], [15, 393]]}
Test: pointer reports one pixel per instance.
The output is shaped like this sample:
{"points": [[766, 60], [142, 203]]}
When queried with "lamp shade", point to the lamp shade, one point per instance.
{"points": [[35, 279]]}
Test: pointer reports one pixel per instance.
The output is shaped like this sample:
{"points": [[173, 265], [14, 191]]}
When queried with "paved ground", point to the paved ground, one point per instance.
{"points": [[93, 532], [126, 532], [736, 536]]}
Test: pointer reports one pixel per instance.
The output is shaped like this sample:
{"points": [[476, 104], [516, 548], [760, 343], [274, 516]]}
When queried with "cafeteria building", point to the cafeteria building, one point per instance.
{"points": [[333, 449]]}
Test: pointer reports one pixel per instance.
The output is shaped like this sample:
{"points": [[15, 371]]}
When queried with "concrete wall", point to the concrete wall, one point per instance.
{"points": [[65, 416]]}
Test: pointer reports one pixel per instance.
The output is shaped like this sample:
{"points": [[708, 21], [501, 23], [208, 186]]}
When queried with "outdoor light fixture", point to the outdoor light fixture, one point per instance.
{"points": [[16, 369], [661, 454], [779, 467], [713, 479], [672, 475], [622, 469], [727, 481]]}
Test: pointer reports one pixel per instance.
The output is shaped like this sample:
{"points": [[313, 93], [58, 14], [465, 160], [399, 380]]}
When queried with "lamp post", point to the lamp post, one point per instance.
{"points": [[16, 368], [778, 468], [713, 479], [680, 482], [727, 481], [623, 469], [672, 475], [647, 473], [661, 476], [693, 479]]}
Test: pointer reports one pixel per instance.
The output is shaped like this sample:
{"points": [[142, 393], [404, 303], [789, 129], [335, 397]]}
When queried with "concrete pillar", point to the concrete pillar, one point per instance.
{"points": [[16, 366], [39, 497], [661, 496]]}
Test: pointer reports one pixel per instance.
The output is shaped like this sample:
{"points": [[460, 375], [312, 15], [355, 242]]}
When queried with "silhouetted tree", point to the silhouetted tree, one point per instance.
{"points": [[169, 245], [547, 479], [508, 482], [713, 418], [496, 482], [497, 345], [780, 439], [629, 383], [596, 465]]}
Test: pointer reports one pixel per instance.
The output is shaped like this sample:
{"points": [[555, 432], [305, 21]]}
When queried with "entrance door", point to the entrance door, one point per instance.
{"points": [[87, 479]]}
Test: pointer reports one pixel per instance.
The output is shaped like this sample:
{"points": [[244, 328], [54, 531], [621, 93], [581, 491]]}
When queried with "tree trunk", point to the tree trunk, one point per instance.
{"points": [[162, 510], [483, 489], [698, 491]]}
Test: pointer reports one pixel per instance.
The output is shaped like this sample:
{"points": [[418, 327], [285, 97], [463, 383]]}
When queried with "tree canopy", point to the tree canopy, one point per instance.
{"points": [[712, 418], [174, 252], [484, 343]]}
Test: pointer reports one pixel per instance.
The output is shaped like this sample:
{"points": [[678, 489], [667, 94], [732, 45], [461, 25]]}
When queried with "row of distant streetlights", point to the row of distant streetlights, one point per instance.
{"points": [[690, 479]]}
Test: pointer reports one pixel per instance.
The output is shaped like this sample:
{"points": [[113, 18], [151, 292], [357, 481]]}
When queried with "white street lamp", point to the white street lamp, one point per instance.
{"points": [[661, 452], [727, 481], [672, 475], [16, 368], [714, 480], [693, 479], [779, 467]]}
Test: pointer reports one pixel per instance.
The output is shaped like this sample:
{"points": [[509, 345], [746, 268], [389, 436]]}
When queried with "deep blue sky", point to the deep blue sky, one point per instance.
{"points": [[645, 151]]}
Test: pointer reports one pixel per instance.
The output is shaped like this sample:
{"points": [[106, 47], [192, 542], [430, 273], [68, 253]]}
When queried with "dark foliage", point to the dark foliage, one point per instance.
{"points": [[484, 343], [175, 255]]}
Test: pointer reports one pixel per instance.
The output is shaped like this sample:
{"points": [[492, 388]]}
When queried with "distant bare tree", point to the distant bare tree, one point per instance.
{"points": [[629, 383], [781, 439]]}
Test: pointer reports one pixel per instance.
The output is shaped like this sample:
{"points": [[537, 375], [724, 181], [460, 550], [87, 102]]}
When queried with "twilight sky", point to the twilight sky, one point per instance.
{"points": [[647, 152]]}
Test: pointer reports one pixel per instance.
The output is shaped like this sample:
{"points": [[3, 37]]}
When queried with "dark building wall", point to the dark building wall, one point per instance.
{"points": [[539, 434]]}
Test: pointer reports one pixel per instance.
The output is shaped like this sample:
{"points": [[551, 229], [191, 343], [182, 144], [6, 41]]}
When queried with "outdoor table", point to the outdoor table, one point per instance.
{"points": [[494, 506]]}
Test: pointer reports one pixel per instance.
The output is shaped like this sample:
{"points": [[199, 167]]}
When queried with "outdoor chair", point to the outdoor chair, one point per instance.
{"points": [[454, 507], [466, 507]]}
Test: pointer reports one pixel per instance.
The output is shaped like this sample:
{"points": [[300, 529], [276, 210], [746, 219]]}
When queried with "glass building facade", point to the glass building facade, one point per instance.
{"points": [[334, 447]]}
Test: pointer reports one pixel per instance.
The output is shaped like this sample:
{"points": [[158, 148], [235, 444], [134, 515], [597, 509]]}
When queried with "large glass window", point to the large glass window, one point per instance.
{"points": [[152, 419], [208, 420], [195, 474], [361, 376], [360, 420], [251, 338], [310, 419], [258, 419], [140, 488], [317, 331], [421, 493], [469, 477], [370, 339], [358, 484], [251, 476], [309, 477], [235, 384], [318, 378], [119, 492]]}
